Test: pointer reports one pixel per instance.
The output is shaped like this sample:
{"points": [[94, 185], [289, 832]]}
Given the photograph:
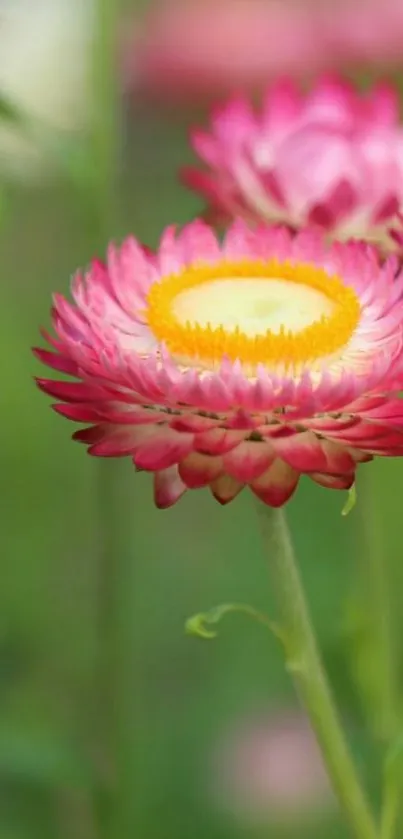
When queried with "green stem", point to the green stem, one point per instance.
{"points": [[304, 663]]}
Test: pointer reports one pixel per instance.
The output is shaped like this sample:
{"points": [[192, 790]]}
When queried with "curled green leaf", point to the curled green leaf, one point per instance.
{"points": [[200, 624], [351, 501], [197, 625]]}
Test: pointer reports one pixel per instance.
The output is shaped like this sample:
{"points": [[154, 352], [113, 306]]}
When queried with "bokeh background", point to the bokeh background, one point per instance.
{"points": [[114, 723]]}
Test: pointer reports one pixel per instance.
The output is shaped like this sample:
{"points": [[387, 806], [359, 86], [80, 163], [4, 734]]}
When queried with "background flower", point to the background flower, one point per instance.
{"points": [[189, 49], [268, 768], [202, 47], [332, 157], [366, 32]]}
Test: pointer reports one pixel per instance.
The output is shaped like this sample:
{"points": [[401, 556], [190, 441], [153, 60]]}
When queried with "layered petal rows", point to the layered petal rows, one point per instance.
{"points": [[226, 426], [332, 158]]}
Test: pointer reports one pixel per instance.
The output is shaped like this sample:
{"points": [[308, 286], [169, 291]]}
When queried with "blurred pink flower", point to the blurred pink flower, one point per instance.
{"points": [[396, 231], [271, 768], [332, 158], [366, 31], [204, 47]]}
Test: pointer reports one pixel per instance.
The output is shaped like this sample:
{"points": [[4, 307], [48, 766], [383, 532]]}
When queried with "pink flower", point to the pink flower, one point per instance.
{"points": [[242, 363], [270, 768], [200, 47], [366, 32], [332, 158], [395, 232], [203, 48]]}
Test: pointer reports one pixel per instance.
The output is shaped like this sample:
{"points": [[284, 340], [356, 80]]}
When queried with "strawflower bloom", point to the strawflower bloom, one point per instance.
{"points": [[331, 158], [246, 362]]}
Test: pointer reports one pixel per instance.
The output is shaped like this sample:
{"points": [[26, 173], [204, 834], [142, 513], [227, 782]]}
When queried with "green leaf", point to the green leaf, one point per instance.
{"points": [[9, 112], [199, 624], [351, 501]]}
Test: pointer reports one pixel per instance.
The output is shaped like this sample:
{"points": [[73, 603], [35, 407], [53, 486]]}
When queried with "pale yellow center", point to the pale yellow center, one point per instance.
{"points": [[254, 311], [253, 305]]}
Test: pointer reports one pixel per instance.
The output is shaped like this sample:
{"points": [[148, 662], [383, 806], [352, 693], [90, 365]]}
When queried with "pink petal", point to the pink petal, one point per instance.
{"points": [[198, 243], [225, 488], [276, 485], [342, 200], [69, 391], [170, 259], [90, 435], [194, 423], [131, 272], [116, 442], [217, 441], [163, 449], [333, 481], [199, 470], [56, 361], [301, 451], [79, 412], [338, 460], [248, 460], [168, 487]]}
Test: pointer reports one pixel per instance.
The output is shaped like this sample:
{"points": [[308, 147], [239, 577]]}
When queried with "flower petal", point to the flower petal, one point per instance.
{"points": [[277, 484]]}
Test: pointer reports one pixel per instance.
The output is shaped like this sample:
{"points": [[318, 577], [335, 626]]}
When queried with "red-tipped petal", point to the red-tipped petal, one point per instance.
{"points": [[162, 450], [192, 422], [225, 489], [218, 441], [69, 391], [168, 487], [276, 486], [301, 451], [57, 362], [249, 460], [333, 481], [90, 435], [116, 442], [199, 470], [338, 460], [78, 412]]}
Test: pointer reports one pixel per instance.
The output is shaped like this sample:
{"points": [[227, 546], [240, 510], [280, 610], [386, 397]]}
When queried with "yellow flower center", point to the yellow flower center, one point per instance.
{"points": [[260, 312]]}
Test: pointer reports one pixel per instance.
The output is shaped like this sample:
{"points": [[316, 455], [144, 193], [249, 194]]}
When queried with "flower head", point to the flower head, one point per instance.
{"points": [[332, 158], [243, 363]]}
